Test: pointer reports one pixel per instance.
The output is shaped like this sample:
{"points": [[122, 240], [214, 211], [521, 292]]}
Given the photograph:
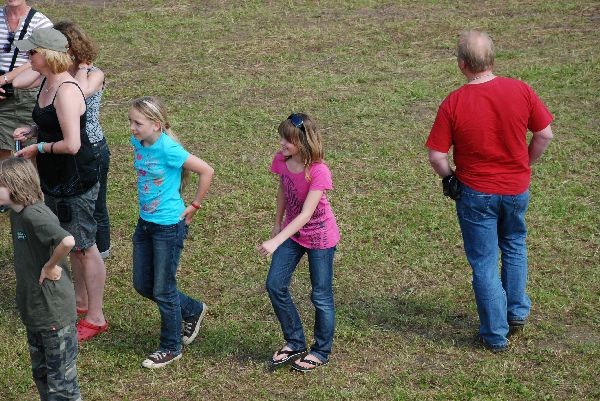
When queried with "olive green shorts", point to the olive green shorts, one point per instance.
{"points": [[15, 112]]}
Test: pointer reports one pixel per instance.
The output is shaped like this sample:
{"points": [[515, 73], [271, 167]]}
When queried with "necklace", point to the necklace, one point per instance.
{"points": [[481, 76], [47, 90]]}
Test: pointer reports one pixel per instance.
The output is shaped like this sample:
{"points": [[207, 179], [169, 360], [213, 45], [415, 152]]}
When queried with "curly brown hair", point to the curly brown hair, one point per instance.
{"points": [[80, 45]]}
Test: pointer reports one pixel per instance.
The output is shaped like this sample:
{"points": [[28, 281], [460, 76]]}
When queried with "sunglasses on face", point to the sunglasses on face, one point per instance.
{"points": [[7, 46], [31, 52], [297, 121]]}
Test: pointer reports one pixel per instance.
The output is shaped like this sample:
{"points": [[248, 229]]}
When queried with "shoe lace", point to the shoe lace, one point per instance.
{"points": [[188, 326], [158, 355]]}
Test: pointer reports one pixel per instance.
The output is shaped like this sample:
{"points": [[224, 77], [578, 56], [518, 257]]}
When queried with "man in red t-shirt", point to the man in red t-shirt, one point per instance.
{"points": [[486, 123]]}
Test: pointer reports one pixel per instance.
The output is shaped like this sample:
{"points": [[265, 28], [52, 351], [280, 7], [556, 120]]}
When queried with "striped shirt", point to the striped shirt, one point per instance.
{"points": [[39, 20]]}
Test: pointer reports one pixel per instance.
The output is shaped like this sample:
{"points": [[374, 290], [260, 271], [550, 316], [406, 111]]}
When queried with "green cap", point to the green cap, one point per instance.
{"points": [[46, 38]]}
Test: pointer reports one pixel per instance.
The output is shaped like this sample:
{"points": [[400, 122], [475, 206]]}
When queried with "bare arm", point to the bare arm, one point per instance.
{"points": [[69, 106], [27, 79], [280, 211], [9, 76], [539, 143], [51, 269], [439, 162], [206, 173], [308, 208], [90, 82]]}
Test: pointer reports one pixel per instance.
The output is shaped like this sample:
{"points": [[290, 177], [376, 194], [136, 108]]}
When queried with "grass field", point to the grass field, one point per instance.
{"points": [[373, 74]]}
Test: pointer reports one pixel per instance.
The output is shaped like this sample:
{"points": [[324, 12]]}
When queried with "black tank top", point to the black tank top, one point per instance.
{"points": [[63, 175]]}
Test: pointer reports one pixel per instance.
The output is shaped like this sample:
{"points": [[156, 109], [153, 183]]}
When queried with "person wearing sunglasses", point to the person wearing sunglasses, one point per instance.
{"points": [[66, 163], [309, 228], [17, 21]]}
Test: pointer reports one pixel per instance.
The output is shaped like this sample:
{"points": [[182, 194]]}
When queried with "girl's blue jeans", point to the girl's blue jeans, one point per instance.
{"points": [[102, 153], [491, 223], [156, 252], [320, 263]]}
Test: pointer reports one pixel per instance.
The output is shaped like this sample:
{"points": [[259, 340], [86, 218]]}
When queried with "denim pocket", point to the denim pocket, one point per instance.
{"points": [[473, 206], [520, 203]]}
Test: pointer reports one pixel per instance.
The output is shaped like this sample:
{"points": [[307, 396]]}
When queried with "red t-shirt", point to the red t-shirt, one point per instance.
{"points": [[487, 125]]}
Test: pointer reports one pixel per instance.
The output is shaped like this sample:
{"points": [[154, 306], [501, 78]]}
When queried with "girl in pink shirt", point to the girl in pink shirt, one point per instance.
{"points": [[309, 227]]}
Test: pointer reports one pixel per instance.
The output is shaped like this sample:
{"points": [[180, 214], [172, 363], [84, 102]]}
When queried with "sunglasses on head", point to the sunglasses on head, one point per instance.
{"points": [[297, 121], [7, 46]]}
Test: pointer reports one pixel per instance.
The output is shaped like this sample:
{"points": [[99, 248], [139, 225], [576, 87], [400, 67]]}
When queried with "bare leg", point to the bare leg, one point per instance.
{"points": [[94, 276], [81, 296]]}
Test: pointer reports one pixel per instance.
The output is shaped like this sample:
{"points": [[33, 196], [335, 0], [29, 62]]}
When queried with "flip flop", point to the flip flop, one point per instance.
{"points": [[302, 369], [290, 355], [87, 330], [81, 311]]}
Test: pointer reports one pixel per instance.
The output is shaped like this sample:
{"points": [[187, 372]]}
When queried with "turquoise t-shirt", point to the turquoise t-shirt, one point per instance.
{"points": [[158, 169]]}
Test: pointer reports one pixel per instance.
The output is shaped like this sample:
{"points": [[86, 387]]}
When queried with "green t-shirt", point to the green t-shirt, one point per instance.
{"points": [[35, 233]]}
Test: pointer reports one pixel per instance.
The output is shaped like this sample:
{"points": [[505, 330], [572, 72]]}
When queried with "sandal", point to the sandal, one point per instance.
{"points": [[290, 355], [87, 330], [302, 369]]}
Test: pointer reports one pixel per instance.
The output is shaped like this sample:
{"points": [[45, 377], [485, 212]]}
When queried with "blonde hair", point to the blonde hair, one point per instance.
{"points": [[22, 181], [57, 61], [154, 110], [306, 138], [476, 50]]}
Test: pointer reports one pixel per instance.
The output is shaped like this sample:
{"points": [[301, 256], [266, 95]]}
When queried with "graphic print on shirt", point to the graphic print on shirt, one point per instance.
{"points": [[150, 179], [315, 226]]}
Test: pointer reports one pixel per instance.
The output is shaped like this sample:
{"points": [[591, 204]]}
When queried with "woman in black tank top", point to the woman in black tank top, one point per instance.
{"points": [[67, 167]]}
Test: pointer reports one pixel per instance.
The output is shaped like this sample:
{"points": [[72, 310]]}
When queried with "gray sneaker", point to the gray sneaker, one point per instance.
{"points": [[159, 359], [489, 347], [516, 327], [192, 326]]}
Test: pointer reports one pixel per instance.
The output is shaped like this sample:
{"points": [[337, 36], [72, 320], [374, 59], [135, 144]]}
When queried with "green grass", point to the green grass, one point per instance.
{"points": [[373, 74]]}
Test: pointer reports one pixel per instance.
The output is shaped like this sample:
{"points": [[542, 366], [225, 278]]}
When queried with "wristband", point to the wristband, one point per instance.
{"points": [[41, 147], [52, 147], [195, 205]]}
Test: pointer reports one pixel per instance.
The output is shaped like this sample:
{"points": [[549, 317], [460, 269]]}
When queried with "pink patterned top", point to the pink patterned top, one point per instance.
{"points": [[321, 231]]}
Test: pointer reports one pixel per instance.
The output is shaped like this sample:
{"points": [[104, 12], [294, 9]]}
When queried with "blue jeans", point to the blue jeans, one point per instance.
{"points": [[156, 252], [490, 223], [100, 211], [320, 263]]}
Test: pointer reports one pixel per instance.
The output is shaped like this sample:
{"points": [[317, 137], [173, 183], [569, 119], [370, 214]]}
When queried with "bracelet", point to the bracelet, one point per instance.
{"points": [[195, 205], [52, 147], [41, 147]]}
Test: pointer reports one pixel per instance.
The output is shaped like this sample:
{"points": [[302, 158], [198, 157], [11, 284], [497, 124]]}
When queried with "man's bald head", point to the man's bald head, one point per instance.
{"points": [[476, 50]]}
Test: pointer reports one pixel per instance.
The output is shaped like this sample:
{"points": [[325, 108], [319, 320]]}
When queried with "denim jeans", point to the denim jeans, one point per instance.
{"points": [[156, 252], [101, 212], [320, 262], [490, 223]]}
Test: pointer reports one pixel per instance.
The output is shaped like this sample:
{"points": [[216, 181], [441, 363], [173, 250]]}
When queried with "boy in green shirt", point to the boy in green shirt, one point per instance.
{"points": [[45, 294]]}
